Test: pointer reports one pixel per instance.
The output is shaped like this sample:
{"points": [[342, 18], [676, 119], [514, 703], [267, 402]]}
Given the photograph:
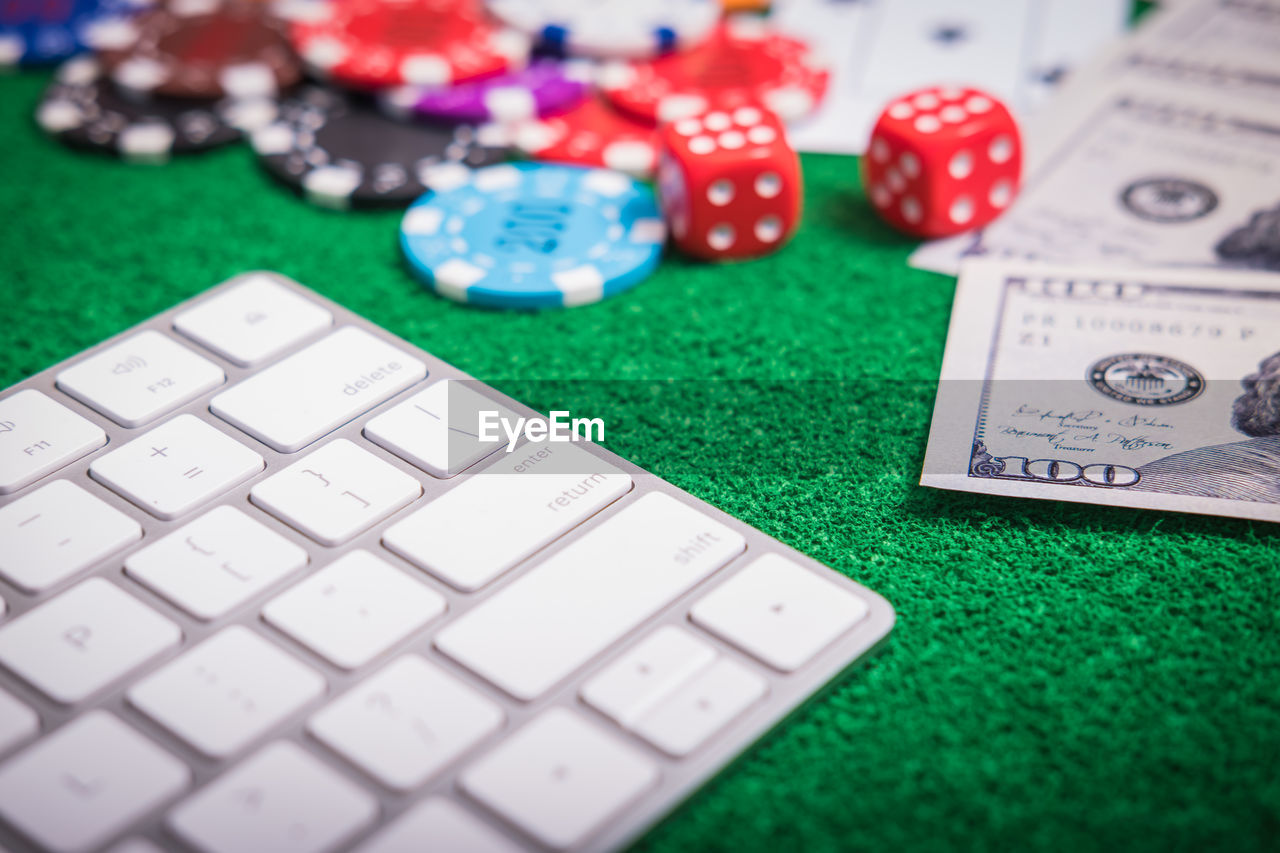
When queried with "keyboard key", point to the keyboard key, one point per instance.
{"points": [[436, 429], [779, 612], [280, 800], [572, 607], [58, 531], [17, 722], [215, 563], [39, 436], [702, 706], [336, 492], [87, 781], [649, 672], [318, 389], [176, 467], [227, 691], [438, 825], [83, 640], [406, 723], [253, 321], [354, 609], [559, 778], [533, 499], [141, 378]]}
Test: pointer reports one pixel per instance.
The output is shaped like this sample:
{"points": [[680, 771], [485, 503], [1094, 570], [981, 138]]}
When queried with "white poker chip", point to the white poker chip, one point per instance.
{"points": [[611, 28]]}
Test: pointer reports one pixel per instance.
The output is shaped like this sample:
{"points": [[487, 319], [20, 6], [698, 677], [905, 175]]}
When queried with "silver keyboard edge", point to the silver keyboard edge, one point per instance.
{"points": [[680, 778]]}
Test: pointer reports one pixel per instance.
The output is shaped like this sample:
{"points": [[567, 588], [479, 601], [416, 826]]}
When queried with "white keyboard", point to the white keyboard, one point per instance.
{"points": [[265, 591]]}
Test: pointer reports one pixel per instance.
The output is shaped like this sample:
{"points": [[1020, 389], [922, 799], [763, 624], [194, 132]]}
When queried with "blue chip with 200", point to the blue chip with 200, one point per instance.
{"points": [[533, 235], [35, 32]]}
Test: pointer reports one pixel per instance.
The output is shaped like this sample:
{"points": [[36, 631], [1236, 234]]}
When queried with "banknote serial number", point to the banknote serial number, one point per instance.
{"points": [[1037, 328], [1134, 325]]}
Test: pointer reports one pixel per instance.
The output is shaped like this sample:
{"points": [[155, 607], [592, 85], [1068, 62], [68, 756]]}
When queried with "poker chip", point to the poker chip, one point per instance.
{"points": [[34, 33], [610, 28], [546, 86], [742, 63], [591, 134], [83, 109], [372, 44], [340, 151], [200, 49], [533, 235]]}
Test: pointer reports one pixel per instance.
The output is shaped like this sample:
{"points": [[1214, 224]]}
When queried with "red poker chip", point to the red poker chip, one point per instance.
{"points": [[200, 49], [372, 44], [592, 134], [743, 63]]}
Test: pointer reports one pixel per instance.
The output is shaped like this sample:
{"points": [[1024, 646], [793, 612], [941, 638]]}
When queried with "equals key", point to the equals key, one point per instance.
{"points": [[198, 463]]}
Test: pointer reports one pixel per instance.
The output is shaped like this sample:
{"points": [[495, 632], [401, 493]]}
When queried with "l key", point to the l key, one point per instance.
{"points": [[87, 781]]}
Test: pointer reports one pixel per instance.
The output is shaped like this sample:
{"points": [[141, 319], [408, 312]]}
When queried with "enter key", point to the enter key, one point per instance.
{"points": [[505, 512]]}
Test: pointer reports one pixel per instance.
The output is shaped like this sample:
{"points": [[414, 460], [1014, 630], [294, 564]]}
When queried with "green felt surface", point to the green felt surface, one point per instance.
{"points": [[1061, 676]]}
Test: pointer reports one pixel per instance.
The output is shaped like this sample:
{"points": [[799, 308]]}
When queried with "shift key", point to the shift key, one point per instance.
{"points": [[318, 389]]}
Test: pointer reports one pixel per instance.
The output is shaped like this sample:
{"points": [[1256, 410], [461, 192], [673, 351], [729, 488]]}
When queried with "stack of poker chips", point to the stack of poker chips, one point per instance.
{"points": [[145, 82], [375, 103]]}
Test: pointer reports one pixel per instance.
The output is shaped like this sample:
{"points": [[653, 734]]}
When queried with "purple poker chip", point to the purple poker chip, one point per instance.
{"points": [[542, 88]]}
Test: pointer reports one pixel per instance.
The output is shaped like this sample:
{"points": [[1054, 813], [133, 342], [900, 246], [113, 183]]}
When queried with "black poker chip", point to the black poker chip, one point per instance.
{"points": [[83, 109], [339, 150]]}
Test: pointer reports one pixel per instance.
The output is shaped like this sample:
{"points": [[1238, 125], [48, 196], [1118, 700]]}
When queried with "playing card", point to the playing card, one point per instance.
{"points": [[976, 42], [1018, 50], [1067, 34]]}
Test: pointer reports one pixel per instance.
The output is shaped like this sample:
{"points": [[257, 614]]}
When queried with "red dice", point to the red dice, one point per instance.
{"points": [[729, 184], [943, 160]]}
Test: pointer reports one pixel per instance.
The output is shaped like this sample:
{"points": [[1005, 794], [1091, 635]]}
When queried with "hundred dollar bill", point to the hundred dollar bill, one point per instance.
{"points": [[1165, 151], [1146, 388]]}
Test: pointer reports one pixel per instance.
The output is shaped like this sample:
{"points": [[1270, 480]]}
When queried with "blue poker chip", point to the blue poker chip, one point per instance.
{"points": [[533, 235], [37, 33]]}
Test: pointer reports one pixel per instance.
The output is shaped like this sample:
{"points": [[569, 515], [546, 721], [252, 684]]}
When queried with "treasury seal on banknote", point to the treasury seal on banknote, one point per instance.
{"points": [[1168, 200], [1144, 379]]}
